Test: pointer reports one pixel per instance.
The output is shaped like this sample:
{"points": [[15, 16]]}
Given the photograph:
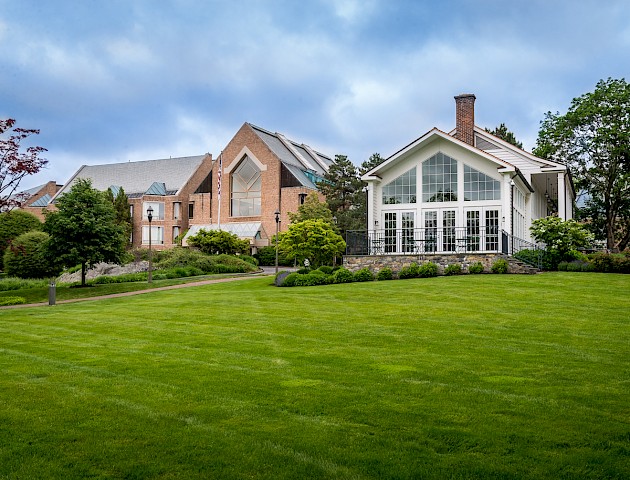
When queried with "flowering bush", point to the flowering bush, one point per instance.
{"points": [[562, 238]]}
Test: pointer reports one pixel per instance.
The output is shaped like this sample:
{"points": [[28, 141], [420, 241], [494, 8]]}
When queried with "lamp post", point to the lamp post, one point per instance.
{"points": [[277, 214], [150, 217]]}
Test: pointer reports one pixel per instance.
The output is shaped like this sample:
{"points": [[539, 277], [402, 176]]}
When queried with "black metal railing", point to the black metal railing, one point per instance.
{"points": [[418, 241], [528, 252]]}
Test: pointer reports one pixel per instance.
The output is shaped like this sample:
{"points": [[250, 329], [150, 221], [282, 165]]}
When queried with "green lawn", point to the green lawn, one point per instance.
{"points": [[485, 376]]}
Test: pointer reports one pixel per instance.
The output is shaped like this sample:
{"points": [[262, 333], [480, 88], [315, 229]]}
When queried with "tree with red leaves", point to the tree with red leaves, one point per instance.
{"points": [[16, 164]]}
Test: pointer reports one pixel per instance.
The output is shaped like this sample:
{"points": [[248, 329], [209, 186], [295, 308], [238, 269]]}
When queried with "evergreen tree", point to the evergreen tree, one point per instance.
{"points": [[123, 211], [504, 134]]}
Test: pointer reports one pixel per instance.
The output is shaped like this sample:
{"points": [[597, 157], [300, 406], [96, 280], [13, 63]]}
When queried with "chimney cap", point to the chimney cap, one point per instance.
{"points": [[465, 95]]}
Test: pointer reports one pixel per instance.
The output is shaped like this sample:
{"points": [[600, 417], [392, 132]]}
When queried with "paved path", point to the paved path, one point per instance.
{"points": [[149, 290]]}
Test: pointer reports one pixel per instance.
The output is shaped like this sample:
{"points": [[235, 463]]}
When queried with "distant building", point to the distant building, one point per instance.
{"points": [[260, 172], [38, 198]]}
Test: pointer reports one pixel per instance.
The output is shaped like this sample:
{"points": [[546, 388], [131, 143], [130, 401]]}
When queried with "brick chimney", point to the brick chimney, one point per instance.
{"points": [[465, 118]]}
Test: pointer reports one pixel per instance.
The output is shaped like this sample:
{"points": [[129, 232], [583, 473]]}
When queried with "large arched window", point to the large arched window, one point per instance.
{"points": [[439, 179], [246, 189]]}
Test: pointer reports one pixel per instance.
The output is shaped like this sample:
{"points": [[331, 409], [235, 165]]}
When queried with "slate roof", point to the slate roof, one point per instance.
{"points": [[136, 178], [298, 158]]}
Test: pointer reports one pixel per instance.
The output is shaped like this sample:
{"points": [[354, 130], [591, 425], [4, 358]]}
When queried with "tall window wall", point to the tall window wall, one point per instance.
{"points": [[246, 189], [439, 179], [402, 189]]}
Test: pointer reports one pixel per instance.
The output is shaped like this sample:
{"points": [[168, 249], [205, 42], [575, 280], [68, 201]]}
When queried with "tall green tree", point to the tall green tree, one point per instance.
{"points": [[504, 134], [593, 138], [312, 209], [123, 211], [83, 230], [15, 223], [26, 257], [314, 240], [343, 188], [374, 161]]}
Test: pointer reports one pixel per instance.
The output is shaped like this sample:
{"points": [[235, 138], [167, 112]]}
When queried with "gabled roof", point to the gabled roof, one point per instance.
{"points": [[41, 201], [295, 156], [427, 138], [138, 178]]}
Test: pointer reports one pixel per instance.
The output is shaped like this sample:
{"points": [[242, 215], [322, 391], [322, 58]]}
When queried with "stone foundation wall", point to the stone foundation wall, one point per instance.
{"points": [[397, 262]]}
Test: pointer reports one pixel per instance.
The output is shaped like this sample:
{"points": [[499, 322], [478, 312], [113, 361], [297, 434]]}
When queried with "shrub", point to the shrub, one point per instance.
{"points": [[538, 258], [611, 262], [412, 271], [14, 283], [249, 259], [428, 270], [475, 268], [363, 275], [385, 274], [218, 242], [312, 279], [561, 237], [289, 280], [326, 269], [576, 266], [454, 269], [26, 257], [343, 275], [15, 223], [6, 301], [303, 270], [267, 256], [500, 265], [562, 266]]}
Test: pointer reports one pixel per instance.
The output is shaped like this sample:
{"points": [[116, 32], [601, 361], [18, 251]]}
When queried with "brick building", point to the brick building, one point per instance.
{"points": [[38, 198], [261, 173]]}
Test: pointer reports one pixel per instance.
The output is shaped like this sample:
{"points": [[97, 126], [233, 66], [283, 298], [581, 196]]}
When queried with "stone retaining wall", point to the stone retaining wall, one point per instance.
{"points": [[397, 262]]}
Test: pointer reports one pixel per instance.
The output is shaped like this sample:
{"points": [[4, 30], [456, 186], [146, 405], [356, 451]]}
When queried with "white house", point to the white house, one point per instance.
{"points": [[462, 191]]}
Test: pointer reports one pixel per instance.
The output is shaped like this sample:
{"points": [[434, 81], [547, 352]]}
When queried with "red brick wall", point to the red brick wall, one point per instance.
{"points": [[465, 118]]}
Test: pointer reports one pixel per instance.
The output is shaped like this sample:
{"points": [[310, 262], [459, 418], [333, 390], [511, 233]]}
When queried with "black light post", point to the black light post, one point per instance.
{"points": [[277, 214], [150, 217]]}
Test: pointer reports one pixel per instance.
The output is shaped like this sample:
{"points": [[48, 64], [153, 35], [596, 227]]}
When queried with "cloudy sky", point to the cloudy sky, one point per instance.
{"points": [[125, 80]]}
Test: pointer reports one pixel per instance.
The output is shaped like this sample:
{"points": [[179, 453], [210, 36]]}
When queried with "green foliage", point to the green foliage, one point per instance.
{"points": [[15, 223], [562, 238], [475, 268], [363, 275], [15, 283], [312, 209], [428, 270], [289, 280], [267, 256], [535, 257], [500, 265], [312, 279], [385, 274], [593, 138], [374, 161], [314, 240], [83, 229], [249, 259], [26, 257], [504, 134], [343, 275], [411, 271], [216, 242], [454, 269], [122, 211], [611, 262], [326, 269], [6, 301], [344, 194]]}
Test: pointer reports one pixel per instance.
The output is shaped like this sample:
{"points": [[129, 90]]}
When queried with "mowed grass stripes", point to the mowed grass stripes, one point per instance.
{"points": [[454, 377]]}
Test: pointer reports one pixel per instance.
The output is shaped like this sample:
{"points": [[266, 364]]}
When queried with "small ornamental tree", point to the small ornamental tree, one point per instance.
{"points": [[217, 242], [15, 223], [314, 240], [16, 164], [26, 257], [83, 230], [312, 209], [562, 238]]}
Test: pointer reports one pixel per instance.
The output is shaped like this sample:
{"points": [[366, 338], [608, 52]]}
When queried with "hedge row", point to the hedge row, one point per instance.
{"points": [[326, 275]]}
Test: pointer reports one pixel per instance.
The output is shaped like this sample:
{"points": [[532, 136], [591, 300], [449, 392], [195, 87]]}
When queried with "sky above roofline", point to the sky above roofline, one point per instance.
{"points": [[130, 80]]}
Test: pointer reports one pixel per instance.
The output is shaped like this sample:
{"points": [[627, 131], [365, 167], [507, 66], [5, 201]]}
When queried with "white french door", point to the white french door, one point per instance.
{"points": [[398, 235]]}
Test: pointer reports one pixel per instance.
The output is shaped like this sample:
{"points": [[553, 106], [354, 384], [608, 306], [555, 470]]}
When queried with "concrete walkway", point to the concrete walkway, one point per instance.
{"points": [[149, 290]]}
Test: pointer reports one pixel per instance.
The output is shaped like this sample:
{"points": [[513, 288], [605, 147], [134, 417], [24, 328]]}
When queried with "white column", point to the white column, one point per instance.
{"points": [[562, 197], [507, 203], [370, 206]]}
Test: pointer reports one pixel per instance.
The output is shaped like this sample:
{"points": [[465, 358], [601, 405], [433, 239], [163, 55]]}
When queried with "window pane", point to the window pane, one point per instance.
{"points": [[246, 189], [401, 189], [439, 179], [479, 186]]}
